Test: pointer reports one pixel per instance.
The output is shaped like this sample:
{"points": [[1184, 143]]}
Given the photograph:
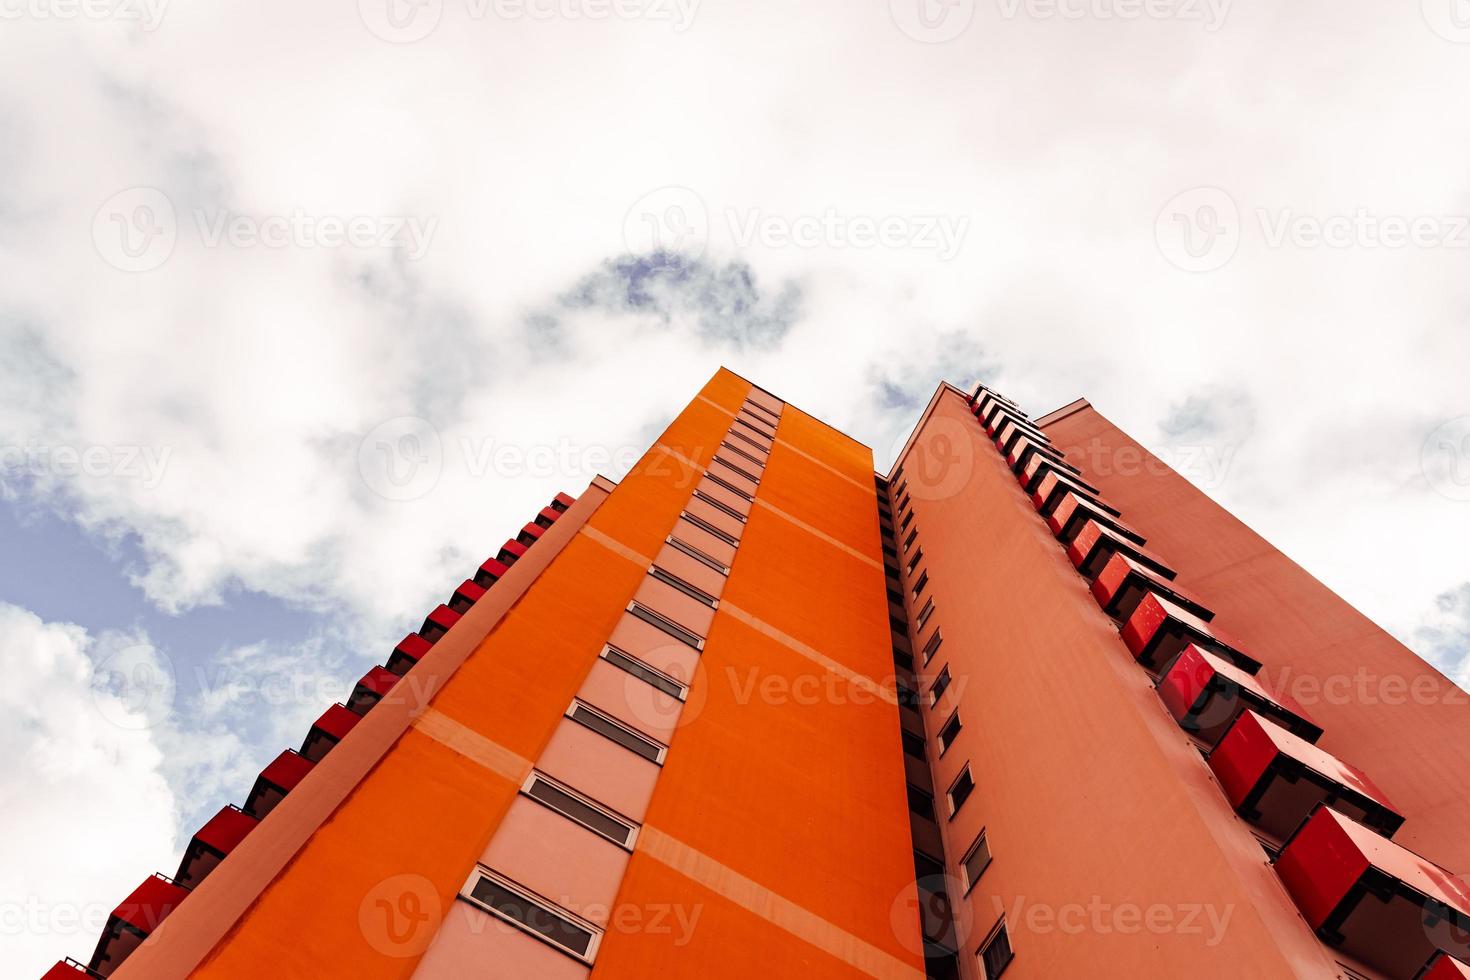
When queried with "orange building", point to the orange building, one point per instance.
{"points": [[1097, 727]]}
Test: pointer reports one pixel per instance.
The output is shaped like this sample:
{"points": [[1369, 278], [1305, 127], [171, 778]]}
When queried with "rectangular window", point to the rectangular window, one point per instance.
{"points": [[904, 660], [745, 495], [667, 625], [995, 952], [925, 613], [903, 525], [913, 745], [744, 455], [949, 732], [938, 687], [919, 585], [645, 673], [895, 597], [977, 859], [960, 790], [722, 508], [897, 623], [914, 561], [591, 718], [675, 582], [709, 528], [902, 504], [890, 551], [535, 915], [932, 646], [730, 465], [901, 488], [908, 542], [697, 555], [907, 696], [578, 808], [920, 802]]}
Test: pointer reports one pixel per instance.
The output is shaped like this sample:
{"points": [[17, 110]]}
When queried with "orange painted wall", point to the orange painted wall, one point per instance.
{"points": [[1098, 809], [1383, 708], [419, 821], [784, 777]]}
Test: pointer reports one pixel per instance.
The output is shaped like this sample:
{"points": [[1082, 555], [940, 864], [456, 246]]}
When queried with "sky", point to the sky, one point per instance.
{"points": [[307, 307]]}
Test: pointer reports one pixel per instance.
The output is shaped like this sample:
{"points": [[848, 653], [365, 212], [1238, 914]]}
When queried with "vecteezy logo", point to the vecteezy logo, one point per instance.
{"points": [[400, 916], [940, 465], [134, 687], [1445, 459], [670, 219], [1450, 19], [401, 21], [135, 230], [1199, 230], [932, 21], [401, 459]]}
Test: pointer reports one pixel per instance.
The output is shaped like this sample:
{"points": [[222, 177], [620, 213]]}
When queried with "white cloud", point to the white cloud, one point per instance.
{"points": [[88, 811]]}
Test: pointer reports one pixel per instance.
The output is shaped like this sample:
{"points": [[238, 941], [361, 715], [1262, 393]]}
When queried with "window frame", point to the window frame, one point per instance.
{"points": [[633, 826], [983, 840], [963, 775], [661, 750], [466, 892]]}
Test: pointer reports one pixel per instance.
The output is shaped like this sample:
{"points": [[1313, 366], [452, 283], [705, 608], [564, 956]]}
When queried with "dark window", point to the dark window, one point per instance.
{"points": [[532, 915], [675, 582], [697, 555], [665, 624], [908, 542], [926, 612], [897, 623], [896, 597], [890, 551], [914, 561], [913, 745], [960, 790], [903, 525], [996, 954], [583, 813], [921, 583], [977, 859], [949, 732], [940, 684], [626, 737], [921, 802], [931, 647], [722, 508], [904, 660], [908, 697], [644, 673]]}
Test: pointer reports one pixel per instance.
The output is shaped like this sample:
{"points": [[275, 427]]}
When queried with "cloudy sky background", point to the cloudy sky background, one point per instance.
{"points": [[561, 224]]}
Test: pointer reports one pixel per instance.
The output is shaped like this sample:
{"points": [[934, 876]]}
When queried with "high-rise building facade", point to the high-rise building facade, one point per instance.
{"points": [[1031, 705]]}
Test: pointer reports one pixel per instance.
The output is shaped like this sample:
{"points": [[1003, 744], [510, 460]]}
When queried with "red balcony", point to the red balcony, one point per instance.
{"points": [[1055, 486], [1123, 582], [1371, 898], [1158, 630], [331, 728], [410, 651], [1012, 429], [438, 622], [490, 572], [1205, 694], [69, 969], [466, 596], [530, 534], [547, 516], [275, 781], [1275, 779], [1095, 545], [510, 552], [1444, 967], [1072, 513], [563, 502], [134, 921], [1039, 465], [371, 689], [1025, 450], [214, 842]]}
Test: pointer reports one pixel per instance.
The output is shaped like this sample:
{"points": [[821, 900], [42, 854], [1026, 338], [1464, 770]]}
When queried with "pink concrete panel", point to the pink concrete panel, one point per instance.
{"points": [[474, 943], [719, 494], [765, 400], [691, 570], [761, 435], [713, 515], [600, 769], [668, 601], [557, 859], [731, 471], [631, 701], [705, 542], [656, 648]]}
